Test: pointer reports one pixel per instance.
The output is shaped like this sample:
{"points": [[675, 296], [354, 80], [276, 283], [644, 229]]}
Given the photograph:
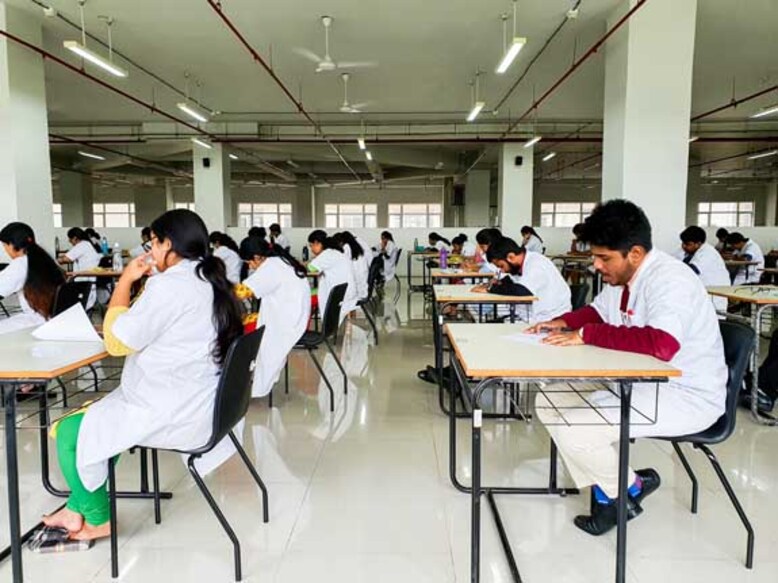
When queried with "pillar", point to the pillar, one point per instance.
{"points": [[76, 196], [477, 197], [170, 199], [648, 90], [150, 203], [514, 186], [212, 186], [771, 202], [25, 169]]}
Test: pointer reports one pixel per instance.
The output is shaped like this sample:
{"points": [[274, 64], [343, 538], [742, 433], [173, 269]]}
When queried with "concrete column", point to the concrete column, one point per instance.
{"points": [[771, 202], [76, 196], [514, 186], [170, 199], [693, 193], [648, 82], [477, 197], [25, 169], [150, 203], [212, 186]]}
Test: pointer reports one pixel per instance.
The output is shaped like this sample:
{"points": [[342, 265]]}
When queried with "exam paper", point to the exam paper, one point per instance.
{"points": [[71, 325], [523, 338]]}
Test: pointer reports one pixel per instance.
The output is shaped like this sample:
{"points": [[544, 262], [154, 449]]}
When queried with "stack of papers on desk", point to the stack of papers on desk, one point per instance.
{"points": [[72, 325]]}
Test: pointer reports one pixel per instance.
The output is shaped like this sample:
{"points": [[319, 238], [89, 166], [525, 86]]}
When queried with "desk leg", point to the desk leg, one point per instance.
{"points": [[621, 526], [408, 272], [756, 322], [475, 498], [12, 470]]}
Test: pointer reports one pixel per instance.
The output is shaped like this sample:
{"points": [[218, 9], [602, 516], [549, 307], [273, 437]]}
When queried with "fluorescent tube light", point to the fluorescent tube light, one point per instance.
{"points": [[479, 105], [202, 143], [763, 155], [88, 155], [532, 141], [516, 46], [548, 156], [765, 112], [234, 157], [368, 155], [694, 139], [292, 163], [191, 111], [361, 142], [94, 58]]}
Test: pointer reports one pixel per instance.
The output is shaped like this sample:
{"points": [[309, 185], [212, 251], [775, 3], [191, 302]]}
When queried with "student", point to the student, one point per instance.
{"points": [[94, 238], [705, 261], [578, 247], [258, 232], [485, 239], [277, 238], [83, 257], [436, 242], [358, 261], [145, 245], [225, 248], [280, 281], [721, 237], [532, 241], [32, 275], [388, 253], [746, 250], [176, 336], [334, 268], [461, 246], [653, 304], [536, 273]]}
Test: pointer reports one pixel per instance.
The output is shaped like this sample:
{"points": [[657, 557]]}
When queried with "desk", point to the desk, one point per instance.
{"points": [[96, 273], [734, 265], [439, 274], [761, 298], [424, 255], [480, 352]]}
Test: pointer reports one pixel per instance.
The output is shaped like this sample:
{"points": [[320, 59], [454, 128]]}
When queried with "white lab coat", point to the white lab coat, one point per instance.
{"points": [[441, 245], [360, 269], [84, 258], [667, 295], [367, 249], [534, 244], [168, 386], [232, 262], [752, 273], [285, 311], [390, 260], [12, 280], [542, 278], [712, 270], [282, 241], [335, 269], [468, 249]]}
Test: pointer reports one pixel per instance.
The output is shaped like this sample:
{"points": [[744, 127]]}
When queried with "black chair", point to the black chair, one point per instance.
{"points": [[312, 339], [738, 342], [578, 294], [232, 402], [366, 303], [2, 307], [396, 277], [71, 293]]}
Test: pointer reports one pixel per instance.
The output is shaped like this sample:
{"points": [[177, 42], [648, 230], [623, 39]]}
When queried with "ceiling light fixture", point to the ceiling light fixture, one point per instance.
{"points": [[766, 111], [368, 155], [694, 139], [477, 105], [512, 51], [361, 142], [82, 51], [763, 155], [532, 141], [88, 155], [234, 157], [292, 163], [192, 111], [548, 156], [202, 143]]}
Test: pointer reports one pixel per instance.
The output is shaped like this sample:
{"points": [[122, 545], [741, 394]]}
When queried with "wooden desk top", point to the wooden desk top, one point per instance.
{"points": [[448, 274], [752, 294], [569, 257], [771, 270], [485, 352], [739, 263], [24, 357], [96, 273], [462, 294]]}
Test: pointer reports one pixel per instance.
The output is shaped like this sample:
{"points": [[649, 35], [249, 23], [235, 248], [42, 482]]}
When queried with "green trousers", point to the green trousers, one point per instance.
{"points": [[93, 506]]}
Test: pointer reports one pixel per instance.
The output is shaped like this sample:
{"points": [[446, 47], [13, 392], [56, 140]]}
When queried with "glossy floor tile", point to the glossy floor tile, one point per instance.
{"points": [[364, 494]]}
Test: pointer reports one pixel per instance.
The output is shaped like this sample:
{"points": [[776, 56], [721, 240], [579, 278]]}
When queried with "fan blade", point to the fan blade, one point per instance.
{"points": [[360, 105], [310, 55], [357, 64]]}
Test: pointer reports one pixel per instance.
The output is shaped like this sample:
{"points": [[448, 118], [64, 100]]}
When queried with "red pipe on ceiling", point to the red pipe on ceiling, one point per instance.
{"points": [[735, 102]]}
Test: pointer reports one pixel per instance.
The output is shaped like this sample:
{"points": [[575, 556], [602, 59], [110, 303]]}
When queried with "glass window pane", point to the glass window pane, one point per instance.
{"points": [[723, 219], [98, 221], [371, 208], [547, 220], [331, 221], [117, 220], [330, 208], [370, 221], [702, 220], [394, 221], [395, 208], [244, 207], [265, 208], [286, 221], [568, 207], [435, 222], [720, 207], [587, 207], [419, 209], [746, 206], [350, 208], [285, 208], [117, 208], [435, 208], [703, 207], [745, 220], [547, 207], [415, 221], [567, 220]]}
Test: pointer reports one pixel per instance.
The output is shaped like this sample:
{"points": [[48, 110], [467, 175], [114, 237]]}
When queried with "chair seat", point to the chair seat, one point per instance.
{"points": [[310, 339], [714, 434]]}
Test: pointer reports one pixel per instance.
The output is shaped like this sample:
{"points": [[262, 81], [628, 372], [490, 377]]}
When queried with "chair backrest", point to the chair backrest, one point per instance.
{"points": [[106, 262], [738, 341], [331, 319], [71, 293], [233, 394], [578, 294], [397, 257], [376, 267]]}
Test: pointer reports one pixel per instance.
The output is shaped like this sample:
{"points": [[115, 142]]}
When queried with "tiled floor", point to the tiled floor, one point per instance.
{"points": [[364, 495]]}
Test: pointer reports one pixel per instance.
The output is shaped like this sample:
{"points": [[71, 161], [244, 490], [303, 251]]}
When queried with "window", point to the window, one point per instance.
{"points": [[412, 216], [351, 216], [564, 214], [725, 214], [113, 214], [56, 211], [184, 205], [262, 214]]}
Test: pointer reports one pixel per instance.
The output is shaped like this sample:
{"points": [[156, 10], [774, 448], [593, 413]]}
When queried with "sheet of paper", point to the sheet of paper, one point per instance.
{"points": [[522, 338], [71, 325]]}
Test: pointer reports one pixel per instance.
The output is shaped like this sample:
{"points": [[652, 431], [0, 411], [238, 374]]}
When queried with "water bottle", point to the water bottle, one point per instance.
{"points": [[104, 245], [117, 257], [56, 247], [305, 254], [416, 244], [444, 258]]}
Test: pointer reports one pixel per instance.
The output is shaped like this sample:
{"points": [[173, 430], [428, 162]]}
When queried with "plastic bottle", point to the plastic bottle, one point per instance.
{"points": [[56, 247], [416, 244], [305, 254], [104, 246], [444, 258], [117, 257]]}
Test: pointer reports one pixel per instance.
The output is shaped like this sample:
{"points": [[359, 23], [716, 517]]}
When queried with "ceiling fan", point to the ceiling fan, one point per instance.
{"points": [[350, 107], [326, 64]]}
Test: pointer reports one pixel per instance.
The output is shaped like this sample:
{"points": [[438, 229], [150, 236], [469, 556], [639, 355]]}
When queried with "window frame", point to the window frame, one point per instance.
{"points": [[552, 212], [101, 212], [345, 215], [401, 215], [252, 214]]}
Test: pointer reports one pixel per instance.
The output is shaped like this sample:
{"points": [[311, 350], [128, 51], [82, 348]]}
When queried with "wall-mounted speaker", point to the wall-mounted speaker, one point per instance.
{"points": [[519, 160], [206, 162]]}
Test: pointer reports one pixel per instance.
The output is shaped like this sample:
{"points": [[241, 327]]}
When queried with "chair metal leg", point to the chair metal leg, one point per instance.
{"points": [[94, 376], [371, 321], [325, 379], [286, 376], [340, 366], [398, 290], [5, 311], [735, 502], [219, 515], [64, 391], [255, 475], [690, 473], [155, 482], [114, 527], [270, 399]]}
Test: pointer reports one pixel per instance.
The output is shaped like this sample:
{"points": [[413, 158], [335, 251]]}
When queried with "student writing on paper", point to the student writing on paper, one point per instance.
{"points": [[334, 268], [705, 261], [436, 242], [278, 238], [531, 240], [746, 250], [176, 336], [388, 253], [280, 281], [358, 261], [32, 275], [225, 248], [83, 257], [485, 239], [652, 304]]}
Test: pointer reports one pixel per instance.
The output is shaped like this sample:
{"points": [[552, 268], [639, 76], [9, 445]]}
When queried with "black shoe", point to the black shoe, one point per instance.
{"points": [[651, 482], [764, 403], [604, 517]]}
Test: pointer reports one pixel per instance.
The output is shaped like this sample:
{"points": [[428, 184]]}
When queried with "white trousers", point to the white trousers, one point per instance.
{"points": [[585, 426]]}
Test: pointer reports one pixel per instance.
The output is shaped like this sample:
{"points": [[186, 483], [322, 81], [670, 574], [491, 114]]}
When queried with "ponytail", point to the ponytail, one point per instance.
{"points": [[346, 238], [529, 230]]}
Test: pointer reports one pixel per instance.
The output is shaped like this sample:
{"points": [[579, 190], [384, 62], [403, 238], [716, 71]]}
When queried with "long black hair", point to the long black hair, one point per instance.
{"points": [[94, 238], [435, 238], [78, 233], [43, 274], [527, 230], [320, 236], [251, 247], [346, 238], [387, 235], [224, 240], [488, 236], [258, 232], [189, 239]]}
